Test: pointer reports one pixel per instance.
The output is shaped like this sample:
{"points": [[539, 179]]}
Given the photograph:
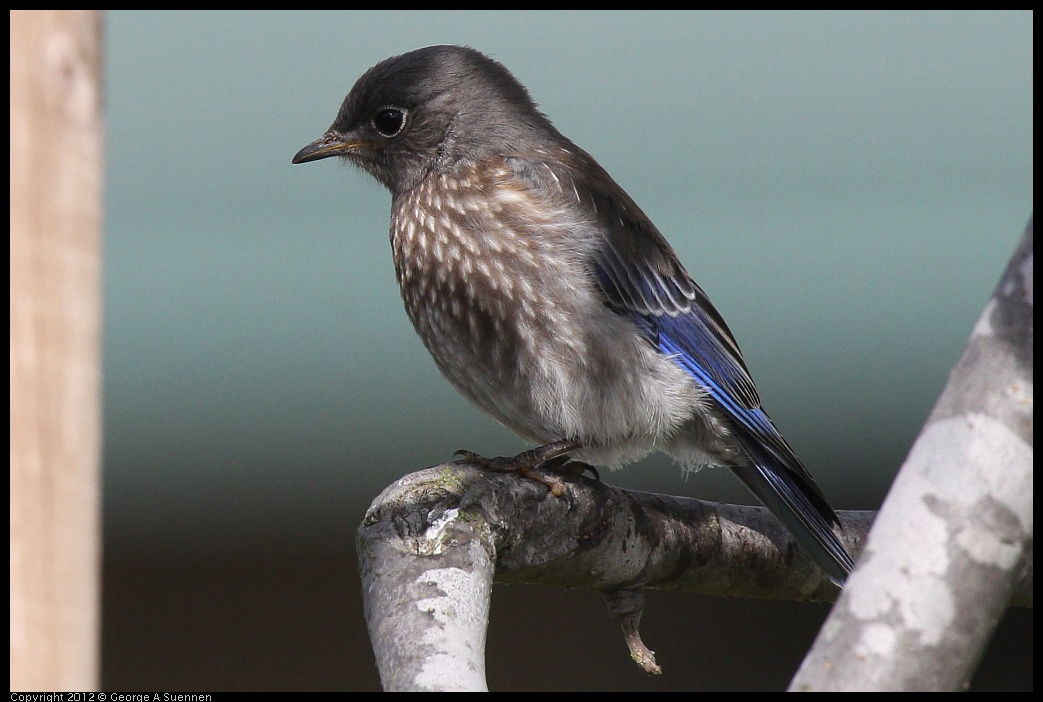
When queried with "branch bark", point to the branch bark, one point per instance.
{"points": [[433, 542], [954, 536]]}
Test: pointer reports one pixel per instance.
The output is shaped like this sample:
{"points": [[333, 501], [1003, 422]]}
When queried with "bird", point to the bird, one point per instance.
{"points": [[548, 298]]}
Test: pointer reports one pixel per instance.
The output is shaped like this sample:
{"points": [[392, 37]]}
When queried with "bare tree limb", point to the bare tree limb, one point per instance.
{"points": [[433, 542], [954, 535]]}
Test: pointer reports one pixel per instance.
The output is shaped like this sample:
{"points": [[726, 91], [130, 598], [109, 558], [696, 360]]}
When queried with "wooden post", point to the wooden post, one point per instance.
{"points": [[56, 191]]}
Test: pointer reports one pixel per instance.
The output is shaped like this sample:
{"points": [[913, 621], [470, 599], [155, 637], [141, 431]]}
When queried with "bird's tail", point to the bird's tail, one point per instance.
{"points": [[800, 506]]}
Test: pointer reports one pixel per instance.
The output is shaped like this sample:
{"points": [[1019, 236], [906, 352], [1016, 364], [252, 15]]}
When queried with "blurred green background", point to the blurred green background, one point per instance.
{"points": [[847, 187]]}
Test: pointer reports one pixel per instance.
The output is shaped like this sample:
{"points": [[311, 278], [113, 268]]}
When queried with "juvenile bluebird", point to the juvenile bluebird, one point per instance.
{"points": [[547, 297]]}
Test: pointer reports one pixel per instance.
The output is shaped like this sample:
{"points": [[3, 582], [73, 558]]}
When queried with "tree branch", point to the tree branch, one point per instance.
{"points": [[430, 543], [954, 536]]}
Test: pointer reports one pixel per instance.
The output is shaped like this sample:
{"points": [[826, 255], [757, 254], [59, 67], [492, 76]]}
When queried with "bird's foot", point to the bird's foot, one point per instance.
{"points": [[532, 464]]}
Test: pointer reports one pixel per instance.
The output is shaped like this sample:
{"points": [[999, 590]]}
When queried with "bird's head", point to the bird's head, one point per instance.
{"points": [[427, 110]]}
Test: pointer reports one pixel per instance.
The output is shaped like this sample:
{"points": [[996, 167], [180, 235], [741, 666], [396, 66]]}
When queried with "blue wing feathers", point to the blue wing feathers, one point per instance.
{"points": [[776, 476], [693, 334]]}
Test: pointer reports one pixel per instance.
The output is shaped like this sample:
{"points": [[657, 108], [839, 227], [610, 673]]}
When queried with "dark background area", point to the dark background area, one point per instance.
{"points": [[294, 621], [847, 187]]}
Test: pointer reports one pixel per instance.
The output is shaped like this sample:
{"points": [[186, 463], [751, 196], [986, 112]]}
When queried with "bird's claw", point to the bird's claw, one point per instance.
{"points": [[532, 464], [578, 468]]}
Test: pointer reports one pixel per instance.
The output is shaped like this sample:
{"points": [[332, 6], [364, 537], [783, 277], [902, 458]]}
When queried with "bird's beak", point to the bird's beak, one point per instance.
{"points": [[329, 144]]}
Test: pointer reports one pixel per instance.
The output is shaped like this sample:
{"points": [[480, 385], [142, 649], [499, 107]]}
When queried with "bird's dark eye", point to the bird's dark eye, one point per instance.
{"points": [[389, 120]]}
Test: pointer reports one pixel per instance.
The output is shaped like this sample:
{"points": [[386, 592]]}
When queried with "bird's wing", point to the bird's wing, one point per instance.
{"points": [[642, 279]]}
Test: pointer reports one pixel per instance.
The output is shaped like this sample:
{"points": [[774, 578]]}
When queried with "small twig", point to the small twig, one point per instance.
{"points": [[626, 606]]}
